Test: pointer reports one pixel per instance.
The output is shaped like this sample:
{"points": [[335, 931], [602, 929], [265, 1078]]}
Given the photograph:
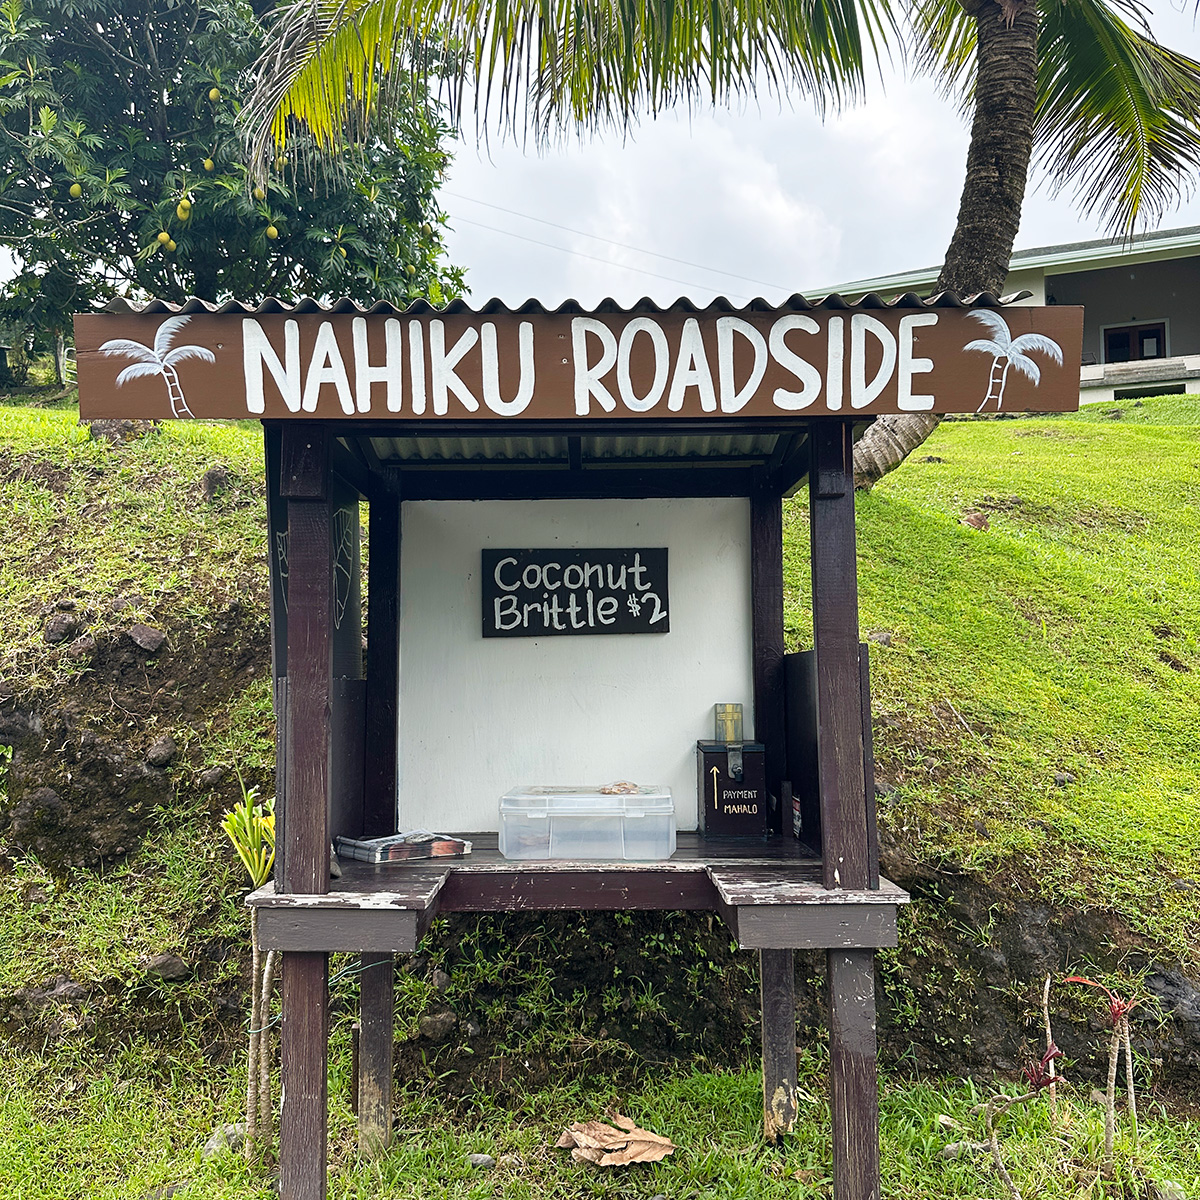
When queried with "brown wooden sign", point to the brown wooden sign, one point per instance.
{"points": [[541, 367]]}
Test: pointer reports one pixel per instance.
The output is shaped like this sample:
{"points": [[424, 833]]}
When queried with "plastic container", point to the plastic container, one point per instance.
{"points": [[582, 822]]}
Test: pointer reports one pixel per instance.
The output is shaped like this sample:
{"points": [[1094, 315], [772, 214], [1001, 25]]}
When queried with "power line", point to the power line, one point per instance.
{"points": [[683, 262], [605, 261]]}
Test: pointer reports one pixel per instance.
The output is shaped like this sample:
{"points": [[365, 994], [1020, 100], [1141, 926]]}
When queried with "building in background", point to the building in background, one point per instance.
{"points": [[1141, 300]]}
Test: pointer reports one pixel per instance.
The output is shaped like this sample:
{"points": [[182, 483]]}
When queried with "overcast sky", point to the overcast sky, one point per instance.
{"points": [[761, 202]]}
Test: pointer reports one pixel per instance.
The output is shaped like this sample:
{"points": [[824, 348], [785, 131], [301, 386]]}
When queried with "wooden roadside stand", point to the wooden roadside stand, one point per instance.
{"points": [[470, 431]]}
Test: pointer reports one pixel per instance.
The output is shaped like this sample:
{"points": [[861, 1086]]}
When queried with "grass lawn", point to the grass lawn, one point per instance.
{"points": [[1036, 688]]}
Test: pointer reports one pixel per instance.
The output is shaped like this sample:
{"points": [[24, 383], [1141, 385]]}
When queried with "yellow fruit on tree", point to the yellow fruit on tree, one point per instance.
{"points": [[170, 245], [164, 238], [272, 232], [427, 229], [343, 250], [76, 191], [183, 210], [259, 194], [209, 164], [214, 94], [410, 270]]}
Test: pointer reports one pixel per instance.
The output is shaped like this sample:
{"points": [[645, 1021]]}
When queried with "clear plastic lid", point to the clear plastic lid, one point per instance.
{"points": [[585, 800]]}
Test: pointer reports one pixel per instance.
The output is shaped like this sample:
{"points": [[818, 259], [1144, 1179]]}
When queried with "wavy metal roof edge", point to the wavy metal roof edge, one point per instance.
{"points": [[795, 303]]}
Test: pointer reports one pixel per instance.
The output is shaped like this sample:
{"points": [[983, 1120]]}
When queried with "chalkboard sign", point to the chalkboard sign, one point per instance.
{"points": [[555, 593]]}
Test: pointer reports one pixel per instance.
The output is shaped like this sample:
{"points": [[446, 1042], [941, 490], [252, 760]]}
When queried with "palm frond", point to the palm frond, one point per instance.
{"points": [[127, 348], [138, 370], [995, 324], [987, 346], [1118, 116], [166, 335], [183, 353], [549, 65], [1038, 343], [1027, 367]]}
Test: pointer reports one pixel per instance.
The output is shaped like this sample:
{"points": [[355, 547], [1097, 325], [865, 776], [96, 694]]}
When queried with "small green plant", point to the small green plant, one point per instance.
{"points": [[1038, 1075], [250, 826], [1118, 1018]]}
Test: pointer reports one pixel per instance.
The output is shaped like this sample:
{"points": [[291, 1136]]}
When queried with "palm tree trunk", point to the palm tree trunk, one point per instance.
{"points": [[989, 212]]}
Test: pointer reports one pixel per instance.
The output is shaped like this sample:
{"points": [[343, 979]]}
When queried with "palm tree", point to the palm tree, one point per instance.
{"points": [[1109, 111], [1011, 352], [158, 359]]}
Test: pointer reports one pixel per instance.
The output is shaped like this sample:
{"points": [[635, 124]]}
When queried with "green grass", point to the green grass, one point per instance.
{"points": [[1064, 639], [111, 1130], [123, 530]]}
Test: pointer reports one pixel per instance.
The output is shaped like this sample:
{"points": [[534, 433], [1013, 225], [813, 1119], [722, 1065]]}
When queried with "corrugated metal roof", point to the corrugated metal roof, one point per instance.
{"points": [[594, 449], [795, 303]]}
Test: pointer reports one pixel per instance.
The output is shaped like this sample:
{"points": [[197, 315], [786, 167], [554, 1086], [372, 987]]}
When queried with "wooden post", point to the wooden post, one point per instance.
{"points": [[377, 994], [775, 966], [376, 1000], [835, 640], [853, 1081], [304, 483], [766, 602], [383, 659], [775, 969], [845, 846]]}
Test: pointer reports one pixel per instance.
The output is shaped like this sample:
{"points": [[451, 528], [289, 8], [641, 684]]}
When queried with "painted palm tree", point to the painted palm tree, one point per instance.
{"points": [[1010, 353], [159, 359]]}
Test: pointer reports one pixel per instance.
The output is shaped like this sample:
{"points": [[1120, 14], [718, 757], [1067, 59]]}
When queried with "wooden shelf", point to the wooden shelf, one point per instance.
{"points": [[769, 893]]}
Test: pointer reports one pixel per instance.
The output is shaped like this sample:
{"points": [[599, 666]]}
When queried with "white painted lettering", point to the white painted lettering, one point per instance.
{"points": [[606, 609], [692, 370], [588, 376], [390, 373], [662, 361], [536, 581], [324, 367], [506, 606], [508, 587], [734, 399], [579, 576], [789, 360], [443, 379], [906, 401], [834, 364], [258, 357], [416, 367], [546, 576], [491, 371], [863, 393]]}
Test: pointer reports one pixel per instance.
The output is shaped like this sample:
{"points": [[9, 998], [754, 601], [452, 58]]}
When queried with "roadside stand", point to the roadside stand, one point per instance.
{"points": [[575, 665]]}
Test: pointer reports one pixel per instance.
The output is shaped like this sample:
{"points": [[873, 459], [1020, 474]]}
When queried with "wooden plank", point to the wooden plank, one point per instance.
{"points": [[310, 605], [276, 547], [776, 971], [353, 930], [800, 687], [835, 638], [580, 891], [864, 658], [281, 727], [853, 1081], [592, 483], [304, 1046], [349, 467], [347, 715], [810, 926], [376, 1034], [383, 661], [766, 605], [304, 461]]}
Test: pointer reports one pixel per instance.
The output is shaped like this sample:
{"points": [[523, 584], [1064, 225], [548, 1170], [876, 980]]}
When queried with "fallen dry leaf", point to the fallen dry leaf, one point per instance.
{"points": [[606, 1146]]}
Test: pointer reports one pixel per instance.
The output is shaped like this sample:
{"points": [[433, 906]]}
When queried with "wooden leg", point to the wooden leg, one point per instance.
{"points": [[853, 1081], [304, 1051], [775, 968], [377, 981]]}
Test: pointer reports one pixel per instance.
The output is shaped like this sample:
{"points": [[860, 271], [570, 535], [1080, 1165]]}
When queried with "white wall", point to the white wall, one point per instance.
{"points": [[480, 716]]}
